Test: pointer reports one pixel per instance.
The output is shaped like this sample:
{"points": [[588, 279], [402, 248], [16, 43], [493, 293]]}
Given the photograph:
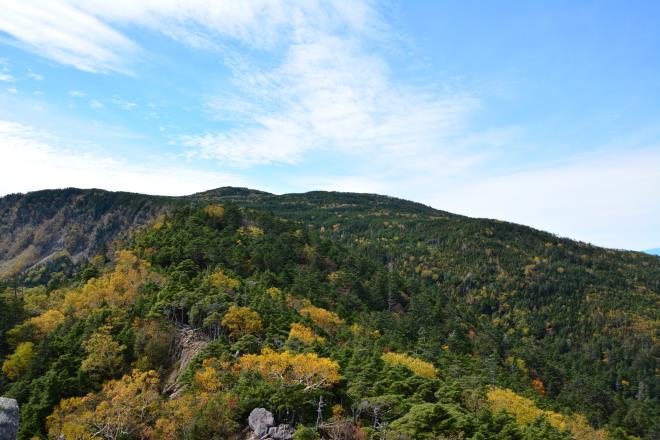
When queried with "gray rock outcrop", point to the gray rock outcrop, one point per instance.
{"points": [[281, 432], [8, 419], [260, 420]]}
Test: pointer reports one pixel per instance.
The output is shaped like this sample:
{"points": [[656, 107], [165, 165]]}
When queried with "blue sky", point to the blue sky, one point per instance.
{"points": [[542, 113]]}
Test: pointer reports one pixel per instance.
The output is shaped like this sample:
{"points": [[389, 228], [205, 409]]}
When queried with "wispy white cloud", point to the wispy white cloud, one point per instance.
{"points": [[259, 23], [325, 87], [35, 76], [77, 94], [94, 103], [37, 153], [123, 103], [330, 91], [5, 71], [60, 31], [80, 33], [326, 91]]}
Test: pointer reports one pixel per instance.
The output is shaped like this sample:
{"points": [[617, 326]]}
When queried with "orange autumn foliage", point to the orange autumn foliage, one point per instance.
{"points": [[538, 386]]}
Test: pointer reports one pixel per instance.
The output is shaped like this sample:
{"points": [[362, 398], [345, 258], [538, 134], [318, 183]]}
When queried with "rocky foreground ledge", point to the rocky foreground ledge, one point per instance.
{"points": [[8, 419]]}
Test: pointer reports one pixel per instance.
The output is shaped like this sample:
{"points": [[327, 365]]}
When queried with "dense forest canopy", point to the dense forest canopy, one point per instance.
{"points": [[346, 315]]}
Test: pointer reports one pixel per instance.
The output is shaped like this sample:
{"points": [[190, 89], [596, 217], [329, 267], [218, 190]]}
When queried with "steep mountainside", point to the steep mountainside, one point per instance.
{"points": [[408, 321], [39, 226]]}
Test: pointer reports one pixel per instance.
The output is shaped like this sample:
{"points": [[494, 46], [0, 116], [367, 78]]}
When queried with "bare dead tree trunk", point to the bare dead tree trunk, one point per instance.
{"points": [[319, 412]]}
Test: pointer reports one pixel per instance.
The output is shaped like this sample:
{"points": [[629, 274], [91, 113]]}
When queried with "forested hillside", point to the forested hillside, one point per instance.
{"points": [[346, 315], [43, 225]]}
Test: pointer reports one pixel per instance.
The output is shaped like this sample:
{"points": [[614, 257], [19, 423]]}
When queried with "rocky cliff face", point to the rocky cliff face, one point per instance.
{"points": [[187, 345], [8, 419]]}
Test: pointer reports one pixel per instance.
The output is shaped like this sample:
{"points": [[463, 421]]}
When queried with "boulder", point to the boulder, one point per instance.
{"points": [[260, 420], [281, 432], [8, 419]]}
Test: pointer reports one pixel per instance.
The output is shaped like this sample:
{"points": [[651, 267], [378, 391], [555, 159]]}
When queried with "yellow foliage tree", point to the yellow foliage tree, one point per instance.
{"points": [[303, 334], [160, 221], [241, 321], [18, 361], [46, 322], [325, 319], [274, 292], [36, 327], [104, 354], [204, 399], [118, 288], [526, 412], [124, 408], [181, 414], [35, 300], [357, 329], [251, 230], [306, 369], [206, 379], [217, 211], [221, 281], [64, 423], [178, 417], [417, 366]]}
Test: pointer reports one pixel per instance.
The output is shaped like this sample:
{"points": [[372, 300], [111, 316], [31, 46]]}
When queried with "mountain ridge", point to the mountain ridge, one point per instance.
{"points": [[122, 211], [484, 303]]}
